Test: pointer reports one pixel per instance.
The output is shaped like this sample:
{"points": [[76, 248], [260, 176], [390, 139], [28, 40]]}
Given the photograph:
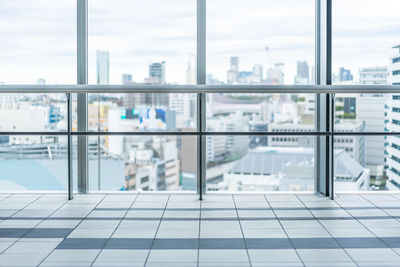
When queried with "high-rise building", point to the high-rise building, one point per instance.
{"points": [[142, 100], [258, 73], [235, 64], [103, 67], [126, 78], [371, 111], [374, 75], [157, 72], [191, 74], [276, 75], [393, 125], [303, 73], [345, 75], [233, 72]]}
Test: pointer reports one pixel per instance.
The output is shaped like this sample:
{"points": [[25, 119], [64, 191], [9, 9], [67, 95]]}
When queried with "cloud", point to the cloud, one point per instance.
{"points": [[38, 38]]}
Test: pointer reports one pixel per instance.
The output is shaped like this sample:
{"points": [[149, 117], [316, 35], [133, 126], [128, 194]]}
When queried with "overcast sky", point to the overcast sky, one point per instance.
{"points": [[38, 37]]}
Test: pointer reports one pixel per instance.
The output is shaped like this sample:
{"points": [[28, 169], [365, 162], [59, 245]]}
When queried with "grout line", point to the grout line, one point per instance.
{"points": [[123, 217], [9, 195], [283, 228], [241, 229], [398, 253], [367, 228], [327, 230], [155, 235], [33, 201], [67, 201], [37, 198]]}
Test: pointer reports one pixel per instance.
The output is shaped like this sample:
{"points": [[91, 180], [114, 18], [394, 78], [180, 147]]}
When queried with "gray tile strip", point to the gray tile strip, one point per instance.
{"points": [[250, 208], [48, 233], [227, 243], [207, 219], [13, 232], [82, 243]]}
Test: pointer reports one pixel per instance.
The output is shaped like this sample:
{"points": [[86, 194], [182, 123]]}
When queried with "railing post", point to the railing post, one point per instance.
{"points": [[82, 104], [201, 98], [69, 144], [323, 115]]}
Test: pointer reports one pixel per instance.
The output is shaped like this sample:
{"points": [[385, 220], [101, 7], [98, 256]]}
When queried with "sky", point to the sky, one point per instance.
{"points": [[38, 37]]}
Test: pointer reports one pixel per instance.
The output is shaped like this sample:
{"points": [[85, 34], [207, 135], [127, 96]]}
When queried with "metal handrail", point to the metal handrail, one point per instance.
{"points": [[148, 88]]}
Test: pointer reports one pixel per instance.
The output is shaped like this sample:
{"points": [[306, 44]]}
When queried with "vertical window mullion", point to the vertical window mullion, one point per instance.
{"points": [[323, 115], [201, 97], [82, 98]]}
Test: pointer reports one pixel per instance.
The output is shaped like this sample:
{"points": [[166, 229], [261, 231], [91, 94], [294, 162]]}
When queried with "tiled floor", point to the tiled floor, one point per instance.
{"points": [[178, 230]]}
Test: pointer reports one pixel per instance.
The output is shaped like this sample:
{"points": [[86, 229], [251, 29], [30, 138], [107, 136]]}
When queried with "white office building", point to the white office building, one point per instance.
{"points": [[374, 75], [393, 125], [103, 67]]}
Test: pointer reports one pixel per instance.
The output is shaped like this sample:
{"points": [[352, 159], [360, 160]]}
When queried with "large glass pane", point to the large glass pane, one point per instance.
{"points": [[147, 42], [254, 112], [38, 42], [364, 34], [362, 163], [37, 163], [260, 163], [260, 42], [142, 163], [377, 113], [142, 112]]}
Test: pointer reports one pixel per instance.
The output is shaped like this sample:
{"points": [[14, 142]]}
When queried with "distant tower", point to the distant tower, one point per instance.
{"points": [[258, 72], [234, 70], [345, 75], [103, 67], [41, 81], [303, 73], [235, 64], [157, 72], [191, 71], [126, 78]]}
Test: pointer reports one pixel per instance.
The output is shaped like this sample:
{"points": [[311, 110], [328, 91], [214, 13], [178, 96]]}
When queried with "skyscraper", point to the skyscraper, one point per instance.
{"points": [[303, 73], [393, 125], [276, 75], [258, 72], [191, 71], [345, 75], [157, 72], [126, 78], [235, 64], [103, 67], [233, 72]]}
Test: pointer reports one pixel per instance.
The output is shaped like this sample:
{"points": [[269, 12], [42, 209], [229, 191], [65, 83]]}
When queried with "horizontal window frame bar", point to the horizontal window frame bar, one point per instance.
{"points": [[312, 89], [197, 133]]}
